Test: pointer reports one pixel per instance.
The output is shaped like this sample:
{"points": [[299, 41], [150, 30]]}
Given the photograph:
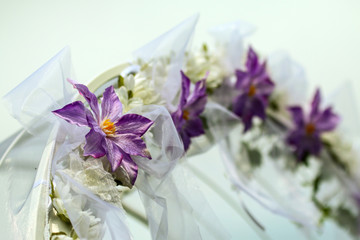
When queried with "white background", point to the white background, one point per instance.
{"points": [[323, 36]]}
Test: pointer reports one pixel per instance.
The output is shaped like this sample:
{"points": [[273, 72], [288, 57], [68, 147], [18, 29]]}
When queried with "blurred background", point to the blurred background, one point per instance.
{"points": [[323, 36]]}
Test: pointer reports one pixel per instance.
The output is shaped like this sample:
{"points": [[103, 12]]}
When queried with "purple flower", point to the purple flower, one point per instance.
{"points": [[305, 137], [112, 134], [255, 87], [186, 117]]}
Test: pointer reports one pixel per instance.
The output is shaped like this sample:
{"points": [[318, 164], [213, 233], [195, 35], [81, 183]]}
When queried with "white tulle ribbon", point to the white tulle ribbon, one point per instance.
{"points": [[174, 208]]}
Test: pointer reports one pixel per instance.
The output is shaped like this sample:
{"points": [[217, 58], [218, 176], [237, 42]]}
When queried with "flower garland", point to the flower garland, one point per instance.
{"points": [[121, 136]]}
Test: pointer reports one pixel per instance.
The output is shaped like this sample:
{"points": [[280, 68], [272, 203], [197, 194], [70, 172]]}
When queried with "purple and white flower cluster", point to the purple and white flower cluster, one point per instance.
{"points": [[119, 136], [256, 87], [305, 138], [112, 134], [187, 117]]}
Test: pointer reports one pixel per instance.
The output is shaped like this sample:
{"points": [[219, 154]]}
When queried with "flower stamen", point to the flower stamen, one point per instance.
{"points": [[310, 129], [108, 127], [252, 91], [186, 115]]}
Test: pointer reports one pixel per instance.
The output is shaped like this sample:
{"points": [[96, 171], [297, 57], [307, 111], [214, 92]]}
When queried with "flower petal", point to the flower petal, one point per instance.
{"points": [[111, 107], [315, 104], [133, 124], [185, 89], [304, 144], [131, 144], [194, 127], [265, 86], [74, 113], [94, 144], [297, 116], [197, 101], [239, 104], [113, 153], [185, 139], [327, 121], [252, 62], [257, 107], [195, 108], [241, 108], [178, 119], [242, 79], [90, 98], [130, 167]]}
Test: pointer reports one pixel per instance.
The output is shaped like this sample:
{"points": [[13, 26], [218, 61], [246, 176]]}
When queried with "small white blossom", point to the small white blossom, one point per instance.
{"points": [[201, 63], [138, 90]]}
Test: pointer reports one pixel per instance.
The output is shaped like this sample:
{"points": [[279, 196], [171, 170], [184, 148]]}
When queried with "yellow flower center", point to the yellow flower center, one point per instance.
{"points": [[252, 91], [108, 127], [310, 128], [186, 115]]}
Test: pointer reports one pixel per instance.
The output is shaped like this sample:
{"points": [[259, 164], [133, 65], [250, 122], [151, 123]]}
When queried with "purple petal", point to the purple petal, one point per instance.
{"points": [[247, 121], [111, 107], [130, 167], [197, 106], [252, 62], [185, 139], [242, 79], [178, 119], [94, 144], [247, 107], [90, 98], [194, 127], [304, 144], [297, 116], [264, 86], [131, 144], [113, 153], [294, 139], [315, 144], [200, 88], [327, 121], [133, 124], [74, 113], [315, 104], [239, 104], [185, 89], [241, 108], [258, 108], [199, 91], [94, 125]]}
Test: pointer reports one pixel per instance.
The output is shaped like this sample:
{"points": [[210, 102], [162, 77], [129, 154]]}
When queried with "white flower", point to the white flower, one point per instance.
{"points": [[68, 200], [200, 63], [138, 90], [92, 175]]}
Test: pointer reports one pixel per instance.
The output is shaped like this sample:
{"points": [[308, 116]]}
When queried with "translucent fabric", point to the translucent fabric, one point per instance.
{"points": [[286, 73], [230, 38], [169, 47], [29, 153], [24, 183], [286, 198], [227, 128], [45, 90], [175, 208]]}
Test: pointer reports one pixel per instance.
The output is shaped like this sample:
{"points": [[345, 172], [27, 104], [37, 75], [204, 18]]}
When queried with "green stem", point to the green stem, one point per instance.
{"points": [[136, 214]]}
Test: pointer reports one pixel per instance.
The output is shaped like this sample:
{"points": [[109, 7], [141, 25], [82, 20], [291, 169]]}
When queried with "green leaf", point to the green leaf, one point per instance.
{"points": [[130, 94], [120, 81], [205, 48], [254, 156]]}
